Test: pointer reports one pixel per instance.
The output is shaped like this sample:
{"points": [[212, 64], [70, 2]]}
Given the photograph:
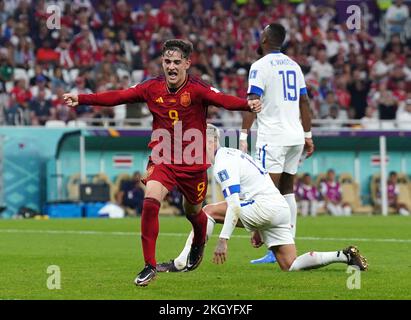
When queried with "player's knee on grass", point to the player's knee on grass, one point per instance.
{"points": [[285, 255]]}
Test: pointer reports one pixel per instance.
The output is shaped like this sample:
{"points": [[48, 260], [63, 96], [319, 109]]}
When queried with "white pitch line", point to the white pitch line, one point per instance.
{"points": [[169, 234]]}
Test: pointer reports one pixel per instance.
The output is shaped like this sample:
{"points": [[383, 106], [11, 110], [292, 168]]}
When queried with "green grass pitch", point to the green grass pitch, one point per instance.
{"points": [[99, 259]]}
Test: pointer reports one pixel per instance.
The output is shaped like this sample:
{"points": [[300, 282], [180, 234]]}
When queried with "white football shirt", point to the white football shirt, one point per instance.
{"points": [[237, 172], [279, 81]]}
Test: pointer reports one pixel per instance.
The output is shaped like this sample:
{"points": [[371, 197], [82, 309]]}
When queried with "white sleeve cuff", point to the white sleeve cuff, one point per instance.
{"points": [[308, 135]]}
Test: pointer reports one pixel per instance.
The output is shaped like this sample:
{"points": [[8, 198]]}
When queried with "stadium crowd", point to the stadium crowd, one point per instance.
{"points": [[104, 45]]}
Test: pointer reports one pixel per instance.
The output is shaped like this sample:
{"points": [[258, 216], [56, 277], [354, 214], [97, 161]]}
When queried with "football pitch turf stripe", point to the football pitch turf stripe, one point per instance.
{"points": [[169, 234]]}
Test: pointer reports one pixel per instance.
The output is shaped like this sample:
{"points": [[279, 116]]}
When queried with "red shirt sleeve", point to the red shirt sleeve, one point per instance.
{"points": [[214, 97], [114, 97]]}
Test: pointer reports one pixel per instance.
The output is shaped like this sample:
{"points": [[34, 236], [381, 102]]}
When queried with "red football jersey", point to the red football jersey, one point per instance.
{"points": [[176, 113]]}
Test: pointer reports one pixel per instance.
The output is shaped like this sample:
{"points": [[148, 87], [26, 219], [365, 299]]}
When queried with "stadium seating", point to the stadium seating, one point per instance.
{"points": [[103, 178], [404, 190], [73, 187], [351, 194], [55, 124], [76, 124], [168, 210]]}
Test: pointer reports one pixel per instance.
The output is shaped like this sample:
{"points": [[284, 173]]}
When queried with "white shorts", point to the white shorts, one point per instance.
{"points": [[270, 218], [279, 159]]}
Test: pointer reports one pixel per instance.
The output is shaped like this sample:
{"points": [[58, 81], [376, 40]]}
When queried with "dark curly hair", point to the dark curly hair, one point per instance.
{"points": [[185, 47]]}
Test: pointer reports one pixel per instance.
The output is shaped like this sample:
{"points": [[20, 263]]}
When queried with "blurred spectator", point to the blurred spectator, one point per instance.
{"points": [[336, 118], [342, 95], [321, 67], [21, 94], [407, 68], [307, 196], [370, 119], [41, 85], [393, 191], [80, 87], [24, 54], [359, 88], [39, 73], [131, 195], [17, 114], [41, 109], [382, 64], [57, 80], [6, 69], [61, 110], [328, 103], [403, 115], [396, 17], [4, 102], [387, 107], [175, 199], [65, 58], [330, 190], [331, 44]]}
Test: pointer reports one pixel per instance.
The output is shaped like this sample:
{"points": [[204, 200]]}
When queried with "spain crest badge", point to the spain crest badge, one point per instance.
{"points": [[185, 99]]}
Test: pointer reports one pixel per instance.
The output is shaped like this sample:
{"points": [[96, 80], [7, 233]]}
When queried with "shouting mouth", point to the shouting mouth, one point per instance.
{"points": [[172, 75]]}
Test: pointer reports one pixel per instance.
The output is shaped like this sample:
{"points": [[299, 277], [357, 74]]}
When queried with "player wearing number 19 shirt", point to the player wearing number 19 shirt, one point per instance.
{"points": [[278, 81], [178, 103]]}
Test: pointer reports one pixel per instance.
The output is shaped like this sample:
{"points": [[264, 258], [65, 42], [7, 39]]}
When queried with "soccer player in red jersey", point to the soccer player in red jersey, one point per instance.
{"points": [[178, 103]]}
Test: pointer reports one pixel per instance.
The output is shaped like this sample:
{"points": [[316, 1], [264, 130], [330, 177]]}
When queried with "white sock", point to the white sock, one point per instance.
{"points": [[290, 198], [334, 209], [304, 207], [181, 261], [403, 212], [347, 210], [313, 208], [312, 260]]}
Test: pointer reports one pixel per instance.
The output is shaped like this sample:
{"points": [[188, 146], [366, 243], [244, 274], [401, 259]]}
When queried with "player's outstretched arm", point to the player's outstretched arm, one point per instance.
{"points": [[107, 98], [230, 222], [229, 102]]}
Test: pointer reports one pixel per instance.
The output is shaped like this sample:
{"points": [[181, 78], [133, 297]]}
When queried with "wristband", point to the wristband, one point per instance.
{"points": [[243, 136], [308, 135]]}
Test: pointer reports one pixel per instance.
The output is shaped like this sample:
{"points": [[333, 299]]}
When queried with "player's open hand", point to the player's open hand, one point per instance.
{"points": [[255, 105], [309, 147], [220, 252], [71, 99], [256, 241]]}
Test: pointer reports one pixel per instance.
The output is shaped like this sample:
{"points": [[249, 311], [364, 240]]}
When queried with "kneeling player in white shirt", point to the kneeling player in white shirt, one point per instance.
{"points": [[262, 211]]}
